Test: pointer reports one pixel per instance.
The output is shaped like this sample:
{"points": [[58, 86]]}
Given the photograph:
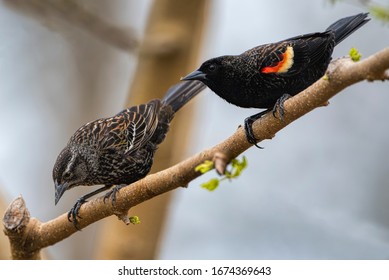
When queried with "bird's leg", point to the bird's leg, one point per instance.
{"points": [[248, 127], [73, 213], [280, 104], [112, 193]]}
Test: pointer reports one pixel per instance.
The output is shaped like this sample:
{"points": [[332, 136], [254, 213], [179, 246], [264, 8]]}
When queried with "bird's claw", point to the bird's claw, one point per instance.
{"points": [[248, 128], [112, 194], [73, 213], [109, 195], [280, 105], [251, 137]]}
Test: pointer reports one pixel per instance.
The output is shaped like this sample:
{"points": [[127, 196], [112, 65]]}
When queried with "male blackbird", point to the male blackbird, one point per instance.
{"points": [[265, 76], [119, 150]]}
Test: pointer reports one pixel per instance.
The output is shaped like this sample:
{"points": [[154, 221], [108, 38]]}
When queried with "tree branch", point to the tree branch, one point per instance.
{"points": [[29, 236]]}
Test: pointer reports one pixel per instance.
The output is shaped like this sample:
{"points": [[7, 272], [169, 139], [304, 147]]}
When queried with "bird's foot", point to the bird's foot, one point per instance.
{"points": [[248, 128], [112, 193], [73, 213], [280, 105]]}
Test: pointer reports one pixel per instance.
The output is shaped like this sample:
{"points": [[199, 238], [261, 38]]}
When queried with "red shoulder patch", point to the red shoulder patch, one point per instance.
{"points": [[282, 66]]}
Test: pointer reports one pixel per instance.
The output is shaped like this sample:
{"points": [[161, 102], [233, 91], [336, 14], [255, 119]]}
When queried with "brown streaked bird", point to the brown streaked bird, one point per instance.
{"points": [[119, 150], [265, 76]]}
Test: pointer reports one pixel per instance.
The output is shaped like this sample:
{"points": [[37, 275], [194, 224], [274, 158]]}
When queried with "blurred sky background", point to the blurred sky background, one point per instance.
{"points": [[319, 189]]}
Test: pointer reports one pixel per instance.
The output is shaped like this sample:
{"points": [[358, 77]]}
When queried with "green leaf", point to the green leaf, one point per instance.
{"points": [[355, 54], [204, 167], [379, 12], [211, 185], [242, 164], [134, 220], [237, 167]]}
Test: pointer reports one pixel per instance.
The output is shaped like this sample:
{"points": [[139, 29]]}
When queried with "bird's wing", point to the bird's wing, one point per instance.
{"points": [[143, 121], [125, 132], [296, 54]]}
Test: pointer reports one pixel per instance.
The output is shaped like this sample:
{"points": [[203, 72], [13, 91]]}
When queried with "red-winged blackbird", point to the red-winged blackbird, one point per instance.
{"points": [[265, 76], [119, 150]]}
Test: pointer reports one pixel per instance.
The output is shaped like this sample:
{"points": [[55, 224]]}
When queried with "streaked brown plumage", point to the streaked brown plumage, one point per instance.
{"points": [[119, 150]]}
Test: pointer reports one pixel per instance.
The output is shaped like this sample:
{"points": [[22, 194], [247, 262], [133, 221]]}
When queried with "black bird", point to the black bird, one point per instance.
{"points": [[265, 76], [119, 150]]}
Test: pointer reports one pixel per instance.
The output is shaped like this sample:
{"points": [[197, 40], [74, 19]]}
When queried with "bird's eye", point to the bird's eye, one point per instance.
{"points": [[66, 176], [212, 67]]}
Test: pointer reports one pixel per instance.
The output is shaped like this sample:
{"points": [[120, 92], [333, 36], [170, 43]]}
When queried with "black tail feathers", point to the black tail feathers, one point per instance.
{"points": [[345, 26], [181, 93]]}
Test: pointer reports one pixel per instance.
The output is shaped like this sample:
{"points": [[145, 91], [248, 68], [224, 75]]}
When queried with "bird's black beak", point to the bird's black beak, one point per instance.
{"points": [[59, 191], [195, 75]]}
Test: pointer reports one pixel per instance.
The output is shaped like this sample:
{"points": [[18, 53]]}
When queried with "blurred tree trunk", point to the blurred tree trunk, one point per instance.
{"points": [[170, 49]]}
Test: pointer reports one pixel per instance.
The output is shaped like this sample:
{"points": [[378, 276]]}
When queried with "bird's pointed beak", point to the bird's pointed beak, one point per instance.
{"points": [[195, 75], [59, 191]]}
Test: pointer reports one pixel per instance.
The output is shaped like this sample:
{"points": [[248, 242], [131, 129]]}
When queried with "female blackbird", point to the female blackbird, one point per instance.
{"points": [[265, 76], [118, 150]]}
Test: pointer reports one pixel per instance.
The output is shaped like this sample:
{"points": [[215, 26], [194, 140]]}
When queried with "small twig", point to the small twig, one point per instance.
{"points": [[220, 161]]}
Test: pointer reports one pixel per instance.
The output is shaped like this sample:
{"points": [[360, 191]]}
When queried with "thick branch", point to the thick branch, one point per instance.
{"points": [[17, 224], [342, 73]]}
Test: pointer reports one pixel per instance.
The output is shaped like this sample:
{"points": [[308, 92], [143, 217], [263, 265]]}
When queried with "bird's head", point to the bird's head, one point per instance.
{"points": [[214, 72], [70, 170]]}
